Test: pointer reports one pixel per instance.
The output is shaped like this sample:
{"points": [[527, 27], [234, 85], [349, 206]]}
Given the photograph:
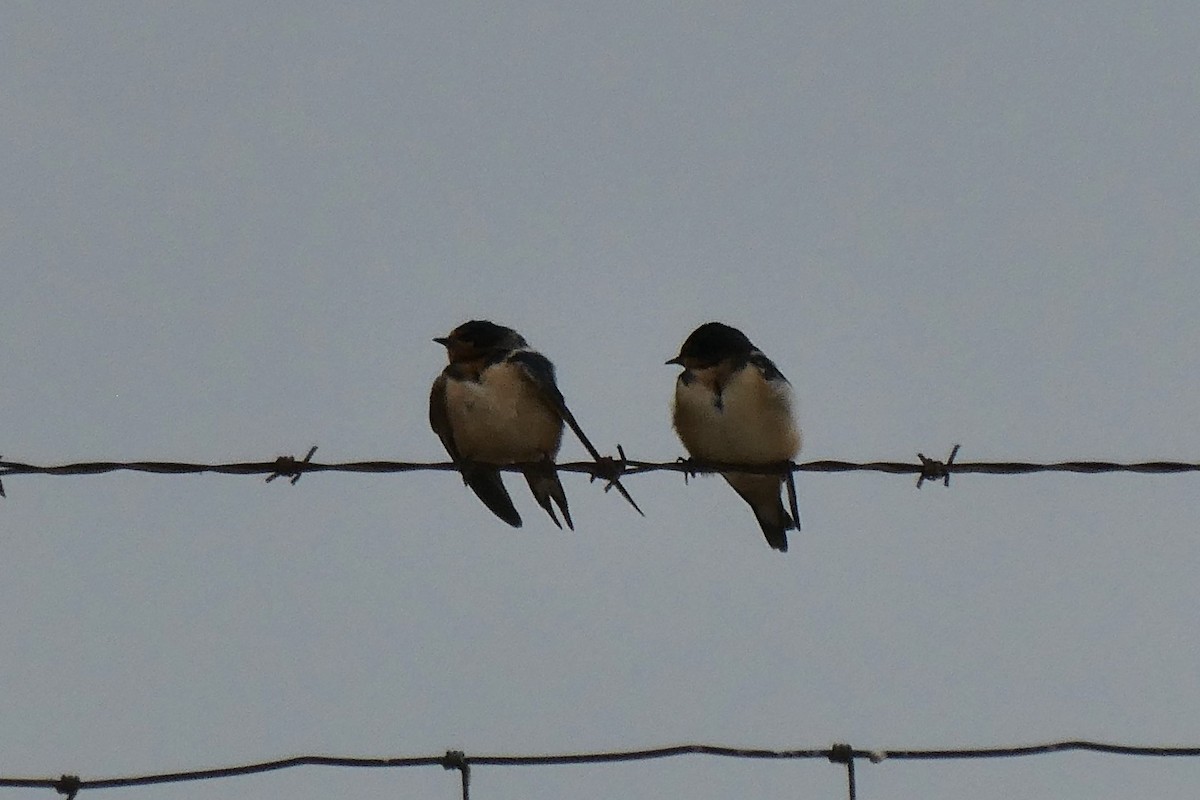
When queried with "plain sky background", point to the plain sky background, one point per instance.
{"points": [[229, 231]]}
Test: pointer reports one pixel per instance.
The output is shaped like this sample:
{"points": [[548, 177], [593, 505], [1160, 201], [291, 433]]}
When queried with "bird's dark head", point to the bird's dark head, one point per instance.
{"points": [[711, 344], [479, 338]]}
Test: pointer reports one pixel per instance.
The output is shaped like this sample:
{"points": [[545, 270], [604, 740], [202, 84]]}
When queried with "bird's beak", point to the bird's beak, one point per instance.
{"points": [[444, 341], [677, 360]]}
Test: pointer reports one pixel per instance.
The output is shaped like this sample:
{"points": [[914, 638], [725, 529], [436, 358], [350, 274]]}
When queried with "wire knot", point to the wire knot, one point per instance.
{"points": [[841, 754], [934, 470], [609, 469], [68, 785], [289, 467], [455, 759], [689, 468]]}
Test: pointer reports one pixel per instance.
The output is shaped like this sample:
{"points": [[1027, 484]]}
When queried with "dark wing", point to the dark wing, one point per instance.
{"points": [[484, 481], [439, 419], [540, 372], [766, 366]]}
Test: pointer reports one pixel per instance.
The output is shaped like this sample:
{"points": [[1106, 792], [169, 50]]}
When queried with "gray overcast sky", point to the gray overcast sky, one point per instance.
{"points": [[229, 232]]}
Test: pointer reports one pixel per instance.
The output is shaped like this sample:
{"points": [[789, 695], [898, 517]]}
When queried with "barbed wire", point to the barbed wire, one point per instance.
{"points": [[457, 760], [610, 469]]}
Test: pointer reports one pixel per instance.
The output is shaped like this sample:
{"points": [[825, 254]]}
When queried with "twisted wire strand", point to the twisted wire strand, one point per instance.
{"points": [[289, 466]]}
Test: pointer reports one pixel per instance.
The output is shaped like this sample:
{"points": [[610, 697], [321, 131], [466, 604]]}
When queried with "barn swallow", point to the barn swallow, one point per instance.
{"points": [[497, 403], [733, 405]]}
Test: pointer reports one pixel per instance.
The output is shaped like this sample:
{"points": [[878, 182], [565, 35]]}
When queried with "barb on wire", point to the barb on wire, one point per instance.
{"points": [[288, 466], [70, 785], [934, 470], [844, 754], [456, 759], [610, 470]]}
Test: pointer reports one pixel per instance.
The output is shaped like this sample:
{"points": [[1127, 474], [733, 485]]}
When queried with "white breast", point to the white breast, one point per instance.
{"points": [[752, 425], [501, 419]]}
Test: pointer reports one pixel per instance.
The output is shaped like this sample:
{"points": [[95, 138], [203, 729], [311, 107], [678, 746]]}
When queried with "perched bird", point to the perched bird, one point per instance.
{"points": [[733, 405], [497, 403]]}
